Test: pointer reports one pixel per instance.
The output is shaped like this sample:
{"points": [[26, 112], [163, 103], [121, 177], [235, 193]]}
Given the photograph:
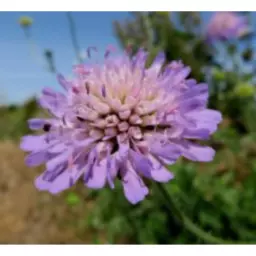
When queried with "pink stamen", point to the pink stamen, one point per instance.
{"points": [[81, 69]]}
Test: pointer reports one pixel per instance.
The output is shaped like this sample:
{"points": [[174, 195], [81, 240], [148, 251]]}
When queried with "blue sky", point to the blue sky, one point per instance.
{"points": [[22, 74]]}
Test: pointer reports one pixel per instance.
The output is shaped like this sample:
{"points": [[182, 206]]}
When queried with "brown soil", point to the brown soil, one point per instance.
{"points": [[28, 216]]}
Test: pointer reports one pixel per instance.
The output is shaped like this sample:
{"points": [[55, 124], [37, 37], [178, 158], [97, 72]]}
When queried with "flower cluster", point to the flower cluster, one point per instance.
{"points": [[226, 25], [120, 120]]}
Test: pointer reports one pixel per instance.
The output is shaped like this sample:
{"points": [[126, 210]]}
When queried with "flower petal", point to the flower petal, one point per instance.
{"points": [[193, 104], [139, 59], [140, 163], [157, 64], [98, 176], [199, 91], [181, 75], [112, 170], [63, 82], [59, 159], [58, 148], [159, 172], [206, 119], [164, 149], [36, 158], [55, 102], [134, 188], [45, 180], [58, 179], [196, 152], [33, 143], [42, 184], [62, 182]]}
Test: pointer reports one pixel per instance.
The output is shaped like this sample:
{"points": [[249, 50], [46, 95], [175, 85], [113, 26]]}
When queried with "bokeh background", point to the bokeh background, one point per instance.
{"points": [[218, 197]]}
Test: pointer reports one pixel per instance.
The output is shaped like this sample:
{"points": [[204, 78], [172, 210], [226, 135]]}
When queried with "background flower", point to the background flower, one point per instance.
{"points": [[226, 25]]}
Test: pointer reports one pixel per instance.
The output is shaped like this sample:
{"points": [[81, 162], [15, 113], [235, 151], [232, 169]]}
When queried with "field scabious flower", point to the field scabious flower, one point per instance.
{"points": [[226, 25], [120, 120]]}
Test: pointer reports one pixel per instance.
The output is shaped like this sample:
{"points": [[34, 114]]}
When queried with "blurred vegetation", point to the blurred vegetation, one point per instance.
{"points": [[218, 197]]}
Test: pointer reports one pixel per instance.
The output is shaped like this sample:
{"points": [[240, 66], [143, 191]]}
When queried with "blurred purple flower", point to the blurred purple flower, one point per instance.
{"points": [[120, 120], [225, 26]]}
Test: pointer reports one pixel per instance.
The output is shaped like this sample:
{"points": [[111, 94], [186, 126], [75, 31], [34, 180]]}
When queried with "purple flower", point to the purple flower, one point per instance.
{"points": [[120, 120], [226, 25]]}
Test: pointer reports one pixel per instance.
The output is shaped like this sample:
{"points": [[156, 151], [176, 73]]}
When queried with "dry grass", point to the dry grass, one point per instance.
{"points": [[28, 216]]}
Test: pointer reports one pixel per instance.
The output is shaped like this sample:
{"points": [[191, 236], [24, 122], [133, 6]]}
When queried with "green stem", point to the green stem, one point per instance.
{"points": [[188, 224], [33, 47], [133, 226], [73, 36], [149, 32]]}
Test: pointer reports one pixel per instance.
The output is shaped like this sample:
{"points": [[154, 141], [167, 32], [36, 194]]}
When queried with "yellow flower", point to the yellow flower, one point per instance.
{"points": [[244, 90], [218, 74], [25, 21]]}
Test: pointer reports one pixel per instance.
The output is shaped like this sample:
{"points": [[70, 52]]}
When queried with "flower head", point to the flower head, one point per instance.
{"points": [[120, 120], [226, 25], [25, 21]]}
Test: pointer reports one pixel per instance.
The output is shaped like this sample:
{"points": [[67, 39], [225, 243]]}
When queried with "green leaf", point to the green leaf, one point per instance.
{"points": [[72, 199]]}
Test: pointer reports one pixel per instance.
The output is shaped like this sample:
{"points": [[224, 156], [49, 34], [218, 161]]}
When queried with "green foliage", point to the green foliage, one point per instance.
{"points": [[72, 199], [14, 119]]}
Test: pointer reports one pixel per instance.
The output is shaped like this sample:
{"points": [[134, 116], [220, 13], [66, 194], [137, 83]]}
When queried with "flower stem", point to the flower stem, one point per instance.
{"points": [[33, 48], [186, 222], [73, 37]]}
